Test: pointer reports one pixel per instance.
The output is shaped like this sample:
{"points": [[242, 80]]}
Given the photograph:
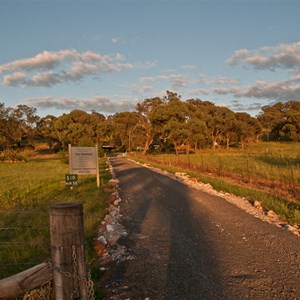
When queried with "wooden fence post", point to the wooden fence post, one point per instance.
{"points": [[22, 282], [67, 252]]}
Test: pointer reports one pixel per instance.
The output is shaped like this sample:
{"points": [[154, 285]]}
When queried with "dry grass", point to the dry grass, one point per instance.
{"points": [[268, 172]]}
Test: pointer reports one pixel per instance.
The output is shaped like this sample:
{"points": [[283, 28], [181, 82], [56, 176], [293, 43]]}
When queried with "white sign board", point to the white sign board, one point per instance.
{"points": [[83, 160]]}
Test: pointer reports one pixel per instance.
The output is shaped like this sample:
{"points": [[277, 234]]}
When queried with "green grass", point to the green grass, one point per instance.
{"points": [[277, 164], [27, 191], [267, 172]]}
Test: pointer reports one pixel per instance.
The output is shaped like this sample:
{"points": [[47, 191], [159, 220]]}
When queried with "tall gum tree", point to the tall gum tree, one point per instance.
{"points": [[281, 121], [45, 128], [78, 128], [125, 129], [171, 119], [219, 120], [248, 128], [17, 124], [144, 109]]}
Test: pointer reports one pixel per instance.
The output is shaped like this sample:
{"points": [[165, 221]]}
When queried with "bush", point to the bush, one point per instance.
{"points": [[64, 156], [12, 156]]}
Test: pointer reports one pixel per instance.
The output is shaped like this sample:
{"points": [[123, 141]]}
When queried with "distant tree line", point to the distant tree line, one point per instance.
{"points": [[164, 123]]}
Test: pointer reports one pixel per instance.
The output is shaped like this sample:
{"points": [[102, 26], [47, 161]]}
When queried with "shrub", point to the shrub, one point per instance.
{"points": [[12, 156]]}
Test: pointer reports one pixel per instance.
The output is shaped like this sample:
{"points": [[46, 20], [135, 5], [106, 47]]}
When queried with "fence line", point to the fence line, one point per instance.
{"points": [[25, 212], [22, 228], [67, 267], [13, 244]]}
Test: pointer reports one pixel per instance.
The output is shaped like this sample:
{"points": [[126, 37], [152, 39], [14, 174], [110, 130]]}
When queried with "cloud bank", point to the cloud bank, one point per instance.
{"points": [[281, 90], [98, 103], [282, 56], [49, 68]]}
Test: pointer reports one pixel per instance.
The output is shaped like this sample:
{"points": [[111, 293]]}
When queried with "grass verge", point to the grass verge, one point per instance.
{"points": [[289, 211], [27, 190]]}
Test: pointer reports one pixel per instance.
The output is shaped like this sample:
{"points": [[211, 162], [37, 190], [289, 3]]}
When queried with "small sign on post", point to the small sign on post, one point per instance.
{"points": [[71, 179]]}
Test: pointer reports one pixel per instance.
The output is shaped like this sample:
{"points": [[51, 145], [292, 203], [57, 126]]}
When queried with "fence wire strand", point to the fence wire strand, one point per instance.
{"points": [[19, 244]]}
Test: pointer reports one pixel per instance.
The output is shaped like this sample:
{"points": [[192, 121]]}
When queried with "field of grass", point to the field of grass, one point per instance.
{"points": [[27, 190], [267, 172]]}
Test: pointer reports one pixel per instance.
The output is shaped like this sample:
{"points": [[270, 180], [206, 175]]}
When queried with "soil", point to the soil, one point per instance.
{"points": [[169, 237]]}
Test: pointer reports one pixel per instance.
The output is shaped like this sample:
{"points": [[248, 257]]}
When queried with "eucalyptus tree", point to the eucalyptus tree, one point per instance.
{"points": [[27, 119], [3, 120], [144, 109], [17, 124], [219, 120], [248, 128], [292, 126], [107, 131], [271, 118], [45, 128], [4, 117], [126, 130], [171, 121], [281, 120], [78, 128]]}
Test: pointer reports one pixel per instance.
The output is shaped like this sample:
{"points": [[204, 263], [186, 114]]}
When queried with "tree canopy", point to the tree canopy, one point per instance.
{"points": [[168, 123]]}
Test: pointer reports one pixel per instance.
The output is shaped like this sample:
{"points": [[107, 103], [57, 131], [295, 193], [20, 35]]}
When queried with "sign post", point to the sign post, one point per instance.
{"points": [[84, 161]]}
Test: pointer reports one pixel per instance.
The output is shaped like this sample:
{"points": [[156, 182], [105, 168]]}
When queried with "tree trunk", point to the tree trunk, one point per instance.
{"points": [[227, 143], [147, 144]]}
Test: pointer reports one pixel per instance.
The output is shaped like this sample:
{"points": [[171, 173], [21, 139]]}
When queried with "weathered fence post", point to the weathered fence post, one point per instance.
{"points": [[27, 280], [67, 252]]}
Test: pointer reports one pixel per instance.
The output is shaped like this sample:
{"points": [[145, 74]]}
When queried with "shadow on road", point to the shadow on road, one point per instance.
{"points": [[168, 236]]}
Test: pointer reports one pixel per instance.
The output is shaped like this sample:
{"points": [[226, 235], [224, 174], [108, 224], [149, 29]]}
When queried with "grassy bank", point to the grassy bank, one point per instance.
{"points": [[267, 172], [27, 190]]}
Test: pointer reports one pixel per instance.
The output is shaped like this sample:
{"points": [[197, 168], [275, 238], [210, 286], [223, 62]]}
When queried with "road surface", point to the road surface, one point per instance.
{"points": [[186, 244]]}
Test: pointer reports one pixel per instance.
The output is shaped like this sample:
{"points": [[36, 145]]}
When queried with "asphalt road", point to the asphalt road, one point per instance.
{"points": [[187, 244]]}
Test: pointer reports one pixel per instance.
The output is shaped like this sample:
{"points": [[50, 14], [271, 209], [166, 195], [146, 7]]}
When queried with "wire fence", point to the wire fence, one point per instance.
{"points": [[60, 246], [24, 242]]}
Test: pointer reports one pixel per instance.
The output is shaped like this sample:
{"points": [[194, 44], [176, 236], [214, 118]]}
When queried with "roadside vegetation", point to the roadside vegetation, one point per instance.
{"points": [[27, 191], [254, 157], [162, 123], [266, 172]]}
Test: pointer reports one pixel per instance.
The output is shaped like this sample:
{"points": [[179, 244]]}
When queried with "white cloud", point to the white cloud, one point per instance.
{"points": [[46, 79], [237, 56], [101, 104], [199, 91], [217, 80], [281, 90], [284, 56], [49, 68], [14, 78], [252, 107], [148, 88], [174, 80], [116, 40], [44, 60], [225, 91]]}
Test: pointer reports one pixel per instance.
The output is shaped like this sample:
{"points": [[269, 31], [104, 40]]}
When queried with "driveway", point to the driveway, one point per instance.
{"points": [[187, 244]]}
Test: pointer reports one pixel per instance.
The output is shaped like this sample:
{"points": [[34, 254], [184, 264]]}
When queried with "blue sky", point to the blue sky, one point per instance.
{"points": [[58, 56]]}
